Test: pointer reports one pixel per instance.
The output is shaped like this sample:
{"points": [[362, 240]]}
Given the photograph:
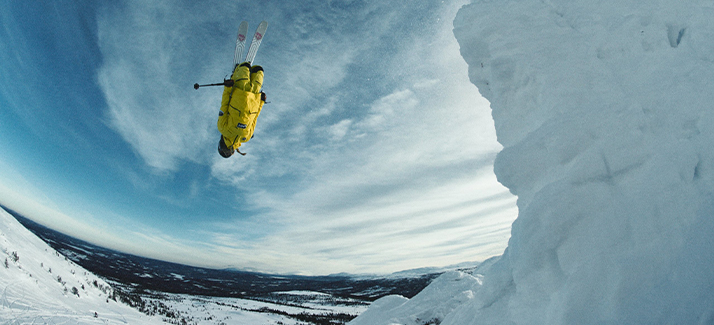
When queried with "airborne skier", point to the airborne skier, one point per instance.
{"points": [[242, 96], [240, 108]]}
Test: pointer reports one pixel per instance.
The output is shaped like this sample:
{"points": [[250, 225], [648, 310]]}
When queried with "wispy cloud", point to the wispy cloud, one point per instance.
{"points": [[406, 183], [370, 157], [402, 228], [148, 55]]}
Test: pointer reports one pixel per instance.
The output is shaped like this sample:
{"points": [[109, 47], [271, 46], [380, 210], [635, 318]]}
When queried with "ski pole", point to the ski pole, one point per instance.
{"points": [[226, 82]]}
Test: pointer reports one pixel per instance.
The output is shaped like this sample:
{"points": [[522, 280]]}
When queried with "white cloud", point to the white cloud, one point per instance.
{"points": [[145, 77], [409, 183], [339, 130], [374, 184], [389, 111], [404, 228]]}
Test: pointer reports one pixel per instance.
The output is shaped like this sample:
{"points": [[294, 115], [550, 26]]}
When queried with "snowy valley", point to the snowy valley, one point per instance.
{"points": [[45, 284]]}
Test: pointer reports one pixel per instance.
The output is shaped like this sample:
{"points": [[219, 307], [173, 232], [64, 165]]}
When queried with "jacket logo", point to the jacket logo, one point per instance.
{"points": [[242, 126]]}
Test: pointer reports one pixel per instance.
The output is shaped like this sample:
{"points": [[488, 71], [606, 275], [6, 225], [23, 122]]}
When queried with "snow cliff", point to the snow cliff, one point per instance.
{"points": [[605, 110]]}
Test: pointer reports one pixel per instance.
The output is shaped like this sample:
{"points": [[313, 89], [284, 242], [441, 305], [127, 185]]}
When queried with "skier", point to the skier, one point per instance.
{"points": [[242, 98], [240, 107]]}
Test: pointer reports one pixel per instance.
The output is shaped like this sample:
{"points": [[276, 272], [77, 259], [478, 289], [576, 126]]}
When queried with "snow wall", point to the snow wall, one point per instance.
{"points": [[605, 110]]}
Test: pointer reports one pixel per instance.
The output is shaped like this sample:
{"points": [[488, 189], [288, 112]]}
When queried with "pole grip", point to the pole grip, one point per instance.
{"points": [[226, 82]]}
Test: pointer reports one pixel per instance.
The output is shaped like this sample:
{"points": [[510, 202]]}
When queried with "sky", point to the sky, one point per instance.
{"points": [[374, 153]]}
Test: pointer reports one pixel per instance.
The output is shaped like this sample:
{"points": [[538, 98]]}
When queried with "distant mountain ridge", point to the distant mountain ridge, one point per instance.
{"points": [[142, 275]]}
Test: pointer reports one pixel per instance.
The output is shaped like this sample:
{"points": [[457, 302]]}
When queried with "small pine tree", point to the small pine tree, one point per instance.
{"points": [[7, 265]]}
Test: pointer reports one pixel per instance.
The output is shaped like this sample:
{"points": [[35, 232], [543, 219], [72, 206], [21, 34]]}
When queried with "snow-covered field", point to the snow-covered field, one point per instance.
{"points": [[605, 110], [309, 306]]}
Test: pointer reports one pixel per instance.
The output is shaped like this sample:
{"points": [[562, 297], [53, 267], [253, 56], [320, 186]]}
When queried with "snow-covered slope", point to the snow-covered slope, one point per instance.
{"points": [[605, 110], [431, 305], [39, 286]]}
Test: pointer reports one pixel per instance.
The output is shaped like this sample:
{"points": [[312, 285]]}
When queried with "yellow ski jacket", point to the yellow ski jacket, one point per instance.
{"points": [[241, 106]]}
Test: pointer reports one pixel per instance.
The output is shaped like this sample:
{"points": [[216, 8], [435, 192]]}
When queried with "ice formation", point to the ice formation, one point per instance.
{"points": [[605, 110]]}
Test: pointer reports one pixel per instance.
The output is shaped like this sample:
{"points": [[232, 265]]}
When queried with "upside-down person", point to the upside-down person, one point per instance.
{"points": [[240, 108]]}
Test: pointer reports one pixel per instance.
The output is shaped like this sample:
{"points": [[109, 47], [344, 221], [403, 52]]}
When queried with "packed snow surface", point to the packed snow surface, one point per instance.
{"points": [[605, 110]]}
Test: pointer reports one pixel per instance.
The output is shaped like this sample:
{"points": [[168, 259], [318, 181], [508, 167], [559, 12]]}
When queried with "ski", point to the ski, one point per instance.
{"points": [[255, 43], [240, 43]]}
